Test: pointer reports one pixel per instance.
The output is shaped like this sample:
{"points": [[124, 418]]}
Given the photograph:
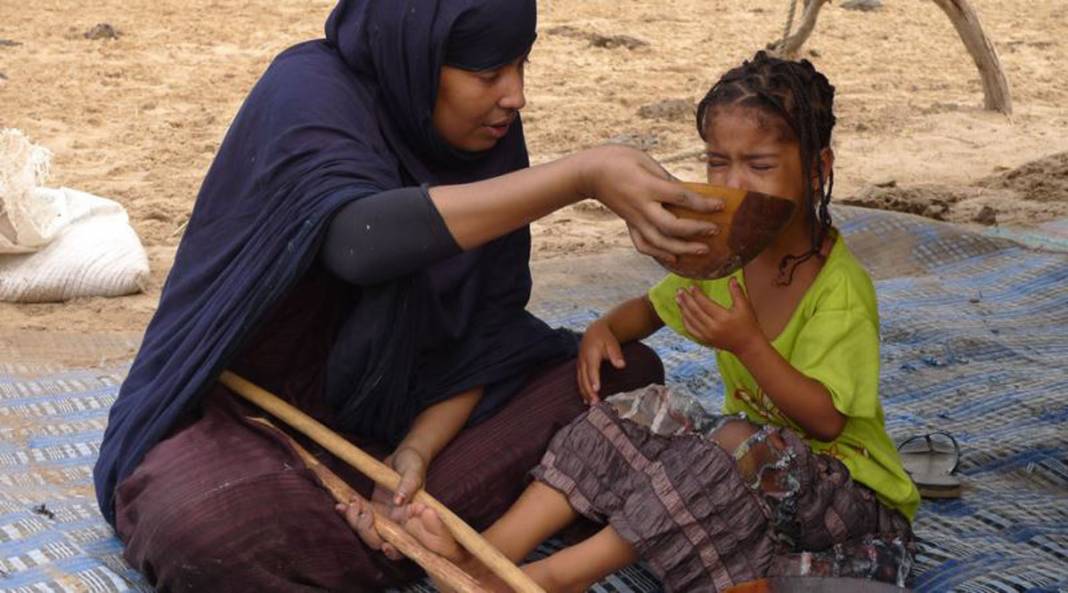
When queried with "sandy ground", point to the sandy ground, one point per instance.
{"points": [[138, 117]]}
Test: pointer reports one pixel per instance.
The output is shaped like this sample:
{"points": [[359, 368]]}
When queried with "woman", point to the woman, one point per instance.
{"points": [[360, 247]]}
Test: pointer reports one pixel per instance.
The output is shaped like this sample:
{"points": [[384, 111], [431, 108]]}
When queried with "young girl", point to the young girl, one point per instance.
{"points": [[799, 475]]}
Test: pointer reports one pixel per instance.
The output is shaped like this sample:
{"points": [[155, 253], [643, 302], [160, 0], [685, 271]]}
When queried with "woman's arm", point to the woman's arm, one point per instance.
{"points": [[432, 429], [386, 236], [625, 180], [436, 426], [396, 232]]}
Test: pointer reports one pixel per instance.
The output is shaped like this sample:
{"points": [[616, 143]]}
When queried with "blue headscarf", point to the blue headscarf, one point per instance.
{"points": [[332, 121]]}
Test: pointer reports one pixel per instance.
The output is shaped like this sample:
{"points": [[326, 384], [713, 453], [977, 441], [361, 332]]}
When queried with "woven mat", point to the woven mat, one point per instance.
{"points": [[975, 341]]}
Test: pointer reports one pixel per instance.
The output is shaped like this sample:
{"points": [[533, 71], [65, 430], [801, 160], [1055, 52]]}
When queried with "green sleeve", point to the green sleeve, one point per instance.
{"points": [[839, 347]]}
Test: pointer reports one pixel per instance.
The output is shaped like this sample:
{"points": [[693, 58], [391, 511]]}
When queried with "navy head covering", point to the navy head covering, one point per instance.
{"points": [[329, 122], [402, 45]]}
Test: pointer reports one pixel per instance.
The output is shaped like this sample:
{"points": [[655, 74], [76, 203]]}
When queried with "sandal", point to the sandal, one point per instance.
{"points": [[931, 460]]}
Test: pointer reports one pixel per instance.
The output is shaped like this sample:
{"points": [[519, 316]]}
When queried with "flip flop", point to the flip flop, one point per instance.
{"points": [[932, 459]]}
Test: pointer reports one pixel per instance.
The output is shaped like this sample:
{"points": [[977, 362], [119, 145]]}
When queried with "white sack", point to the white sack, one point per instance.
{"points": [[60, 244]]}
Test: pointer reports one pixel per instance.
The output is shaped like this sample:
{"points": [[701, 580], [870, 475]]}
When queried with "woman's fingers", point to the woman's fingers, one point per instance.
{"points": [[358, 515], [684, 227], [391, 552], [662, 246], [672, 245], [360, 518], [672, 191], [411, 482], [644, 246], [411, 466], [699, 203]]}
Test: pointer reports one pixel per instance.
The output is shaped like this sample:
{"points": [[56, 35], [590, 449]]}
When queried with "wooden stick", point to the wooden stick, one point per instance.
{"points": [[383, 476], [393, 533]]}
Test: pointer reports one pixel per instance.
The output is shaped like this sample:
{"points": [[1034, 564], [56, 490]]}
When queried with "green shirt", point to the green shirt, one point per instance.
{"points": [[832, 337]]}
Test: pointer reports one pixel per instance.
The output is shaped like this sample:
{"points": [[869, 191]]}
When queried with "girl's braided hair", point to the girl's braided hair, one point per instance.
{"points": [[804, 99]]}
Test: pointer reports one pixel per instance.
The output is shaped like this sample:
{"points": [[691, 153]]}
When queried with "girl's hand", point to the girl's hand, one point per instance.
{"points": [[734, 330], [635, 187], [598, 345]]}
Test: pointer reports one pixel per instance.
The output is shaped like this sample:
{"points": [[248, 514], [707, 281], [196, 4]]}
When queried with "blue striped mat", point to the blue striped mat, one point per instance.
{"points": [[975, 342]]}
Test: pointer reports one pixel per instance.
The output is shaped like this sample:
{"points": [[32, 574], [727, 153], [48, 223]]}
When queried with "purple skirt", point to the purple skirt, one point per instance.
{"points": [[704, 519], [225, 505]]}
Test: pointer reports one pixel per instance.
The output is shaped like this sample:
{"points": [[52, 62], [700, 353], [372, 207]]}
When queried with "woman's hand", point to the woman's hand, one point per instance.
{"points": [[598, 345], [360, 517], [636, 188], [411, 466], [734, 330]]}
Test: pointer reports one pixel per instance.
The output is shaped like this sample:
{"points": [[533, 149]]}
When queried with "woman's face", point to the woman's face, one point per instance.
{"points": [[474, 110]]}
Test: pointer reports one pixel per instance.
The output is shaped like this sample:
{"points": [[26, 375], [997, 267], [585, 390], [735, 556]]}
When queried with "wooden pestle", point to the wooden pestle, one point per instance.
{"points": [[383, 476], [433, 564]]}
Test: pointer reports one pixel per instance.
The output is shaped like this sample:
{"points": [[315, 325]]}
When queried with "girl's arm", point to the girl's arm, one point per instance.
{"points": [[632, 320], [804, 400]]}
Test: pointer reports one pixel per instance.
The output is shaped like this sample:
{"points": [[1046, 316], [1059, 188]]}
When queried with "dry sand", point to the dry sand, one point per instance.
{"points": [[138, 117]]}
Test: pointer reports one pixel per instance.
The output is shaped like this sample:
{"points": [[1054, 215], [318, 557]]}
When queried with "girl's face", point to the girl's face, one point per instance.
{"points": [[474, 110], [750, 149]]}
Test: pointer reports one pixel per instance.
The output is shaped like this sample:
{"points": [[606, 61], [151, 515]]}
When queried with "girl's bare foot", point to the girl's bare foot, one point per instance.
{"points": [[425, 525]]}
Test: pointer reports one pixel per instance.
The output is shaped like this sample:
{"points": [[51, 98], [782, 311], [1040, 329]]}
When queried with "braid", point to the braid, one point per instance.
{"points": [[804, 99]]}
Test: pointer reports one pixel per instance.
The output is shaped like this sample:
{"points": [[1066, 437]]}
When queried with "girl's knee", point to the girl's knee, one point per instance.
{"points": [[733, 433]]}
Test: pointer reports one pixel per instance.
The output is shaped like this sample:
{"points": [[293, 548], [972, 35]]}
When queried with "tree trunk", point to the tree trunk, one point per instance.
{"points": [[995, 87], [788, 47], [996, 95]]}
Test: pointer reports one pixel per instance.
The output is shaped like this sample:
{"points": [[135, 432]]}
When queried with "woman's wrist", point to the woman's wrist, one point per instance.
{"points": [[585, 169], [421, 449]]}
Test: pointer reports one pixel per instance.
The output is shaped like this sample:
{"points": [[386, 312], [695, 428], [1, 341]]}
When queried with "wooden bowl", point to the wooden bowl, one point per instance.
{"points": [[748, 223]]}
